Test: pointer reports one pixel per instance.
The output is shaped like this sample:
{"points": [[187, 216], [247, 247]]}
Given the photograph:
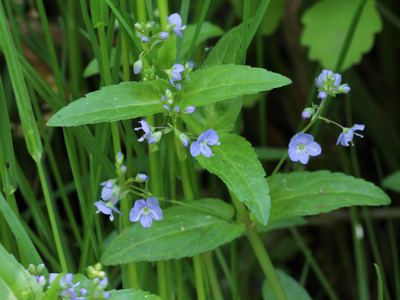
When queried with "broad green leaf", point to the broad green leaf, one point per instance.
{"points": [[325, 33], [207, 31], [226, 51], [236, 163], [219, 116], [293, 290], [305, 193], [219, 207], [183, 231], [281, 223], [117, 102], [131, 294], [228, 81], [392, 182], [250, 100], [167, 53], [5, 292], [22, 284]]}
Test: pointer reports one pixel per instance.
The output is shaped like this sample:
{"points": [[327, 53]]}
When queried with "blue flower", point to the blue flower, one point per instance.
{"points": [[174, 73], [190, 110], [327, 75], [66, 284], [209, 137], [307, 112], [138, 66], [146, 130], [348, 133], [175, 19], [146, 212], [109, 190], [141, 177], [144, 39], [322, 95], [108, 207], [302, 146], [163, 35]]}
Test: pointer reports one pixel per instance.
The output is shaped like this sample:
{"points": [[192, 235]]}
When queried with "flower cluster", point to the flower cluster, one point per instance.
{"points": [[302, 146]]}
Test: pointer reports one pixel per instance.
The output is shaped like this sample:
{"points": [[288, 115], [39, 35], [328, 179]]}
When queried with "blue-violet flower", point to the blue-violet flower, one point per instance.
{"points": [[146, 211], [146, 130], [175, 19], [302, 146], [348, 133], [209, 137]]}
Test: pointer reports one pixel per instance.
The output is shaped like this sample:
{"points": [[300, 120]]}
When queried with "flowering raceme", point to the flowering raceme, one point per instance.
{"points": [[302, 146]]}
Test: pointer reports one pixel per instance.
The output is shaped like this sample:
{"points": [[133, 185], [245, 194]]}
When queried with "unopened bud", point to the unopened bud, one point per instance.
{"points": [[190, 110], [155, 137], [138, 66], [141, 177]]}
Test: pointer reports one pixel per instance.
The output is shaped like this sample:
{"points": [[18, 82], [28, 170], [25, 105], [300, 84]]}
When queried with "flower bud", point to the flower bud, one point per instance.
{"points": [[138, 66], [144, 39], [163, 35], [184, 139], [163, 98], [83, 292], [179, 86], [322, 95], [123, 169], [176, 109], [138, 26], [155, 137], [106, 295], [119, 158], [344, 88], [190, 110], [141, 177], [308, 112], [166, 107], [168, 94]]}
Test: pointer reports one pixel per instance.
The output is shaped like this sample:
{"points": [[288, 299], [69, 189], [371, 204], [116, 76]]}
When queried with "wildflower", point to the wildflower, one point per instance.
{"points": [[109, 190], [175, 19], [209, 137], [179, 86], [138, 66], [344, 88], [191, 64], [190, 110], [146, 130], [302, 146], [141, 177], [108, 207], [146, 211], [106, 295], [166, 107], [163, 98], [66, 285], [325, 78], [41, 280], [123, 169], [83, 292], [184, 140], [144, 39], [174, 73], [103, 284], [308, 112], [176, 109], [348, 133]]}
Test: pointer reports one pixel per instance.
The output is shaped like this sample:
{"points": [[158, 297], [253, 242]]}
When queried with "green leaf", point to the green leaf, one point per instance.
{"points": [[183, 231], [269, 153], [228, 81], [392, 182], [236, 163], [219, 116], [22, 284], [217, 206], [20, 234], [280, 223], [7, 160], [117, 102], [325, 33], [5, 292], [305, 193], [207, 31], [226, 51], [293, 290], [167, 53], [131, 294]]}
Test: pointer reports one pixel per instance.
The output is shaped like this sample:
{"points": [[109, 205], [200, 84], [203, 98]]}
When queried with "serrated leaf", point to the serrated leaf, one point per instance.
{"points": [[117, 102], [236, 163], [182, 232], [305, 193], [22, 284], [228, 81], [325, 33], [132, 294], [207, 31], [392, 182], [293, 290]]}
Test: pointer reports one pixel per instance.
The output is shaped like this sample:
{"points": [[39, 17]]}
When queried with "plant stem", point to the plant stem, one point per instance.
{"points": [[259, 249]]}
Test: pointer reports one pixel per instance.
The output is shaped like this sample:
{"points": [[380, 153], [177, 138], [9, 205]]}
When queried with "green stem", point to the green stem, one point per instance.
{"points": [[53, 222], [212, 275], [234, 268], [317, 270], [179, 280], [259, 249], [243, 49]]}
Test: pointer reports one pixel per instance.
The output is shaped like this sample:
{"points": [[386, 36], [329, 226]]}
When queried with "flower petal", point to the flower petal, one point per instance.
{"points": [[304, 157], [293, 155], [195, 149], [314, 149], [102, 207], [212, 138], [358, 127], [206, 150], [146, 220], [106, 193]]}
